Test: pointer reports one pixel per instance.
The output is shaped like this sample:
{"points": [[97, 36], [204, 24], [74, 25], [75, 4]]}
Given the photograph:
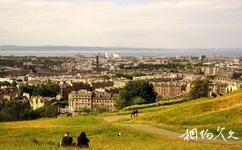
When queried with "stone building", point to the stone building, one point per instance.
{"points": [[163, 61], [39, 101], [168, 90], [9, 93], [210, 70], [222, 86], [91, 100]]}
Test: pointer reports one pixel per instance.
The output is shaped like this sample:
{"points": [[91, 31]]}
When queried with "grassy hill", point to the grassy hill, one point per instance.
{"points": [[202, 113], [45, 134], [225, 111]]}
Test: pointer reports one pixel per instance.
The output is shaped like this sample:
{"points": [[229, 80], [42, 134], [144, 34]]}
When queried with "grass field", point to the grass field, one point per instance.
{"points": [[203, 113], [45, 134]]}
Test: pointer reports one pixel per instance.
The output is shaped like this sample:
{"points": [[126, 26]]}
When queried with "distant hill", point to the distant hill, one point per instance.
{"points": [[62, 48]]}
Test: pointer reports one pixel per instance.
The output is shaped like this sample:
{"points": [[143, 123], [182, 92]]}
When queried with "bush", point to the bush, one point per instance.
{"points": [[47, 111], [101, 109], [86, 110]]}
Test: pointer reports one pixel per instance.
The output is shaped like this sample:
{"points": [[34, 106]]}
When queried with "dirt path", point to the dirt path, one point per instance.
{"points": [[115, 118], [156, 130]]}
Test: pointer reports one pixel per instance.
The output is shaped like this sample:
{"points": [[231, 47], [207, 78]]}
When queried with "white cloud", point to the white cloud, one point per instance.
{"points": [[155, 23]]}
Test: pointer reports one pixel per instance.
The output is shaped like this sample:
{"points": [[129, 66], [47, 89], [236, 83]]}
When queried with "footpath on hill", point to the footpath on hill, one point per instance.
{"points": [[156, 130]]}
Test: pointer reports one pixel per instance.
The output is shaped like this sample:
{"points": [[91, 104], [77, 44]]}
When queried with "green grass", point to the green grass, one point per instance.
{"points": [[203, 113], [45, 134]]}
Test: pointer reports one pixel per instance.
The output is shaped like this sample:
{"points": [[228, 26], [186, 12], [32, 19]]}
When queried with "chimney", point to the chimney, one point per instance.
{"points": [[97, 62]]}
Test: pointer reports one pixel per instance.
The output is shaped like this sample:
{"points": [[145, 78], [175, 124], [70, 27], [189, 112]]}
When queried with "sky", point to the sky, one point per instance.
{"points": [[122, 23]]}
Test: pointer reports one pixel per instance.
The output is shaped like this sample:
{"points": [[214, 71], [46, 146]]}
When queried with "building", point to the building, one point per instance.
{"points": [[120, 83], [229, 74], [236, 61], [39, 101], [91, 100], [27, 95], [210, 71], [97, 63], [9, 93], [168, 90], [161, 61], [67, 67], [223, 85]]}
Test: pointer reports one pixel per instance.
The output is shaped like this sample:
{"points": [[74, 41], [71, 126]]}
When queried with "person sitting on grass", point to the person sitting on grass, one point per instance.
{"points": [[66, 140], [83, 141]]}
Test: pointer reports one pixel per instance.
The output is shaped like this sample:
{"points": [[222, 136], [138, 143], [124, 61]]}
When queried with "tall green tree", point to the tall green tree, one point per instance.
{"points": [[136, 92], [199, 88]]}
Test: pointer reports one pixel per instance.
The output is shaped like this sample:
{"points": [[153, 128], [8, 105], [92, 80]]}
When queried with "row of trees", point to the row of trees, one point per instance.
{"points": [[16, 110], [48, 90], [6, 83]]}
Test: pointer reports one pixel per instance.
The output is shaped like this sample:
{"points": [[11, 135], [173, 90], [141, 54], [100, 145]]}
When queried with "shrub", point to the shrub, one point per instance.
{"points": [[47, 111]]}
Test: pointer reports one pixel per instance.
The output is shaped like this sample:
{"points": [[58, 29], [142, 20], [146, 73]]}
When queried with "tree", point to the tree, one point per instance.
{"points": [[48, 111], [5, 83], [136, 92], [1, 105], [15, 110], [48, 90], [200, 88], [26, 89], [14, 83]]}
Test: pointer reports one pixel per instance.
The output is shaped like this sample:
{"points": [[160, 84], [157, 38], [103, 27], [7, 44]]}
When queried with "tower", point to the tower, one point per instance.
{"points": [[97, 62]]}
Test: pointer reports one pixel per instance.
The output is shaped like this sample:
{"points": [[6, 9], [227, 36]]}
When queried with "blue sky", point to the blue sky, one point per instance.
{"points": [[128, 23]]}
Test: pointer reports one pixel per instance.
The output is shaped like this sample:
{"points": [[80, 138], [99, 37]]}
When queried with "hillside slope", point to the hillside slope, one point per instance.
{"points": [[225, 111], [45, 134]]}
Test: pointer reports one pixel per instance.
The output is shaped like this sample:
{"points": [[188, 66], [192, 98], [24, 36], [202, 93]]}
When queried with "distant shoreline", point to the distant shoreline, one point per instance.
{"points": [[7, 50]]}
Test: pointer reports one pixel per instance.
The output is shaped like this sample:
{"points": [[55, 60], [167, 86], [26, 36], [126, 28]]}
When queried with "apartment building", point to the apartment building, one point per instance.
{"points": [[91, 100], [167, 90]]}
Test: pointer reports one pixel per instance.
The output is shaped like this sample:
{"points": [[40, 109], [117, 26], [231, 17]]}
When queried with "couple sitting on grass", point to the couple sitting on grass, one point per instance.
{"points": [[82, 140]]}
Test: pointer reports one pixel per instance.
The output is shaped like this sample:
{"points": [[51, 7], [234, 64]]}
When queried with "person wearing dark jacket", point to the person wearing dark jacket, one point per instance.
{"points": [[83, 141], [66, 140]]}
